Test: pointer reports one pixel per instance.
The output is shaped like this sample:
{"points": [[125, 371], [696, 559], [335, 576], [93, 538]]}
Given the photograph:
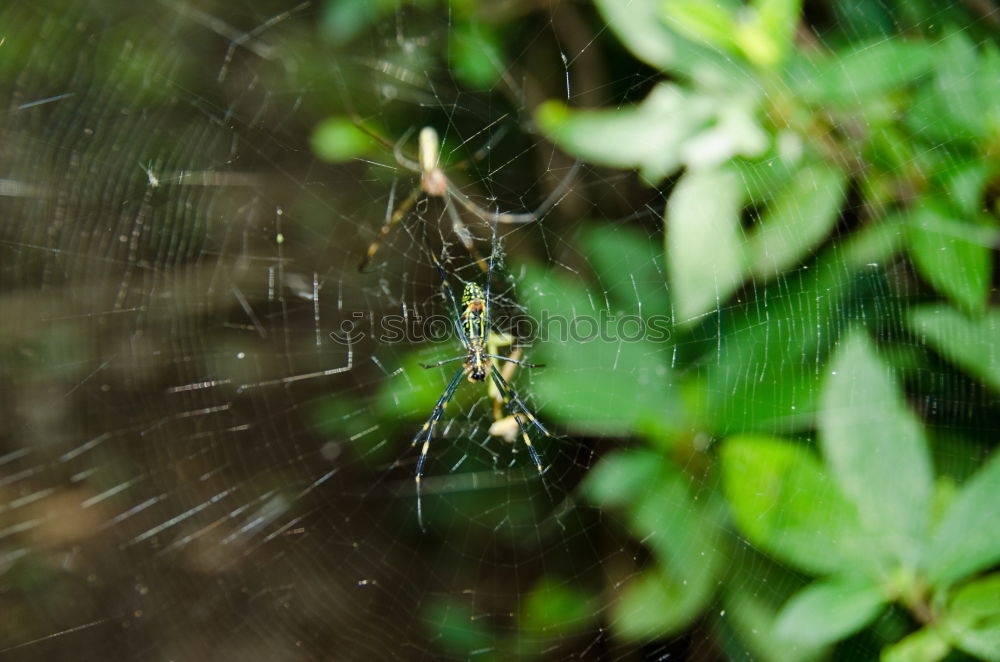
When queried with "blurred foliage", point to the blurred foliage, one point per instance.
{"points": [[803, 178], [759, 133]]}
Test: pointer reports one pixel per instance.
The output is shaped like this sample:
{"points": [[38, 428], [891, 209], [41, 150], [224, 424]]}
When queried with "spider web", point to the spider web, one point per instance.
{"points": [[195, 465]]}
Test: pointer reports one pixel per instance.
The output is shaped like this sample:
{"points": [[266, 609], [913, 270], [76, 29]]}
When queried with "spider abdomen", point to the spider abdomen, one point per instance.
{"points": [[477, 364], [474, 314]]}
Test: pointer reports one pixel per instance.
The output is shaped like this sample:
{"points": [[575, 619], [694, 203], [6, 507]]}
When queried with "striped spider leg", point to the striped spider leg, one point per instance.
{"points": [[479, 363]]}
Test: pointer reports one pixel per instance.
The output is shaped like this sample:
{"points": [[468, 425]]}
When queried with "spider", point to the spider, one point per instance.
{"points": [[479, 362], [435, 184]]}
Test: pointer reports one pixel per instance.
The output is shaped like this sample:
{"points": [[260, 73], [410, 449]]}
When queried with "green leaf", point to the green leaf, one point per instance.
{"points": [[965, 186], [973, 618], [830, 610], [951, 256], [704, 245], [782, 396], [671, 127], [621, 478], [475, 51], [962, 104], [648, 137], [774, 31], [337, 139], [968, 536], [865, 19], [800, 218], [653, 604], [783, 501], [556, 609], [642, 287], [639, 26], [704, 23], [660, 507], [964, 100], [342, 20], [972, 344], [866, 71], [876, 448], [927, 645], [735, 132], [455, 627], [753, 616], [634, 374], [681, 532]]}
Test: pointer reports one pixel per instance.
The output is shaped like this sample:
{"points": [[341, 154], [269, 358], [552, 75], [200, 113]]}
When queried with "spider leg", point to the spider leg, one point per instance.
{"points": [[451, 297], [516, 361], [390, 221], [554, 198], [489, 277], [397, 152], [511, 396], [520, 403], [440, 363], [462, 232], [487, 216], [507, 371], [427, 431]]}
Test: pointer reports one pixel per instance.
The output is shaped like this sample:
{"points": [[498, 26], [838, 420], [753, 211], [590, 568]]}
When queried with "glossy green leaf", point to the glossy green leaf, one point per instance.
{"points": [[876, 448], [704, 242], [648, 137], [973, 618], [951, 255], [800, 217], [829, 610], [968, 537], [972, 344], [788, 506], [927, 645]]}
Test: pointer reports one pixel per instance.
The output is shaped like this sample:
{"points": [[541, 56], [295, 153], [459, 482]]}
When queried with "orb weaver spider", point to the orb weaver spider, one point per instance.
{"points": [[435, 184], [479, 363]]}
